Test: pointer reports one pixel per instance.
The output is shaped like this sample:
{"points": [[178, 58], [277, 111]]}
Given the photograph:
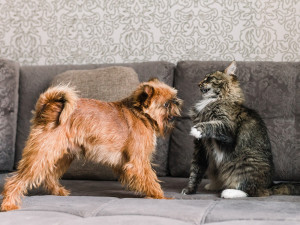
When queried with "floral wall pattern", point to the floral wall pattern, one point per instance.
{"points": [[106, 31]]}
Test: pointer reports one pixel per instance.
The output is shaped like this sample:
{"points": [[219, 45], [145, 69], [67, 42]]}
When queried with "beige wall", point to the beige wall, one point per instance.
{"points": [[105, 31]]}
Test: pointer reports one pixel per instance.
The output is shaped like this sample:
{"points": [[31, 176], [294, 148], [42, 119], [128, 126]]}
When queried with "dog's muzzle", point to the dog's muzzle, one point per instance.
{"points": [[171, 119]]}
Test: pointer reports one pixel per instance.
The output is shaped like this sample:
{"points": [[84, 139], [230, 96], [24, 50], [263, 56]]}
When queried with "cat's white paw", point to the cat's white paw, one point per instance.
{"points": [[233, 193], [196, 133]]}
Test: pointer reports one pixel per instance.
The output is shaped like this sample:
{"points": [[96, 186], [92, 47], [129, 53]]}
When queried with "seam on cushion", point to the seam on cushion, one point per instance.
{"points": [[100, 208], [253, 219], [50, 210], [297, 109], [93, 214], [208, 211], [182, 118], [148, 215], [168, 73], [16, 107]]}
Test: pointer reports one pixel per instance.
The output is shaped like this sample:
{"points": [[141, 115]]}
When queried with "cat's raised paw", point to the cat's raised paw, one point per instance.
{"points": [[196, 133]]}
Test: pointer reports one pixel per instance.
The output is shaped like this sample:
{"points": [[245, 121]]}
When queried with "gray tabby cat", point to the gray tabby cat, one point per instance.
{"points": [[231, 142]]}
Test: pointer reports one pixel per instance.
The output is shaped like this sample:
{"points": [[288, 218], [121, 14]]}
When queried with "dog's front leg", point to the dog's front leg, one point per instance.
{"points": [[140, 177]]}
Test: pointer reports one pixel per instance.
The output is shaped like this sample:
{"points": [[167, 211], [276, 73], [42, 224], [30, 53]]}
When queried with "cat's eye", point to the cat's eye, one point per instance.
{"points": [[209, 79]]}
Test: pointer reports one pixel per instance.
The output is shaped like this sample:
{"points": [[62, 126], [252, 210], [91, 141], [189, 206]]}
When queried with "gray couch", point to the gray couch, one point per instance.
{"points": [[272, 88]]}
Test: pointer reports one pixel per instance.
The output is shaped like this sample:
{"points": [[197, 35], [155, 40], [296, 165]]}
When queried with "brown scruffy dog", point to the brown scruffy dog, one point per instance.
{"points": [[119, 134]]}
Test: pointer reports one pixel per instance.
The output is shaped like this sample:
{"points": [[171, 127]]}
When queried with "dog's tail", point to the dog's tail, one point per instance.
{"points": [[55, 106], [285, 189]]}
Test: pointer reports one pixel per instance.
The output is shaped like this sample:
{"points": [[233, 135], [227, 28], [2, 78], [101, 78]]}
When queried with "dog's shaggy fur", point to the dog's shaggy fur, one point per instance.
{"points": [[119, 134]]}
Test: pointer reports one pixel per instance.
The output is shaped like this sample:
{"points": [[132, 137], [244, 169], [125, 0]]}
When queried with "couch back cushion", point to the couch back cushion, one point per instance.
{"points": [[36, 79], [9, 83], [106, 84], [271, 88]]}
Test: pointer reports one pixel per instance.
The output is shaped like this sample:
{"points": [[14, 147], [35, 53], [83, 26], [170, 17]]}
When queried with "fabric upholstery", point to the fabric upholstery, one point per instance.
{"points": [[36, 79], [9, 83], [270, 88], [273, 89], [105, 84], [107, 202]]}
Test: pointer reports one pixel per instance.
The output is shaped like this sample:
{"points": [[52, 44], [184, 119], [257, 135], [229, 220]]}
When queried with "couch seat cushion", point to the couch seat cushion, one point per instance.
{"points": [[107, 202]]}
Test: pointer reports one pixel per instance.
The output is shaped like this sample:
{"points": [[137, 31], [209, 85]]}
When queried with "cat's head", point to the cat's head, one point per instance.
{"points": [[222, 85]]}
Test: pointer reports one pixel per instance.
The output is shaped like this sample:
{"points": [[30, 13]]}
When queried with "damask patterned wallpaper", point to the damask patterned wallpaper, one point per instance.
{"points": [[105, 31]]}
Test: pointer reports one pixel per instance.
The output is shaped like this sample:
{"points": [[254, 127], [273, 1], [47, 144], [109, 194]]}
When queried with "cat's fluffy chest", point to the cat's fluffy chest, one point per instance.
{"points": [[202, 112], [200, 106], [200, 109]]}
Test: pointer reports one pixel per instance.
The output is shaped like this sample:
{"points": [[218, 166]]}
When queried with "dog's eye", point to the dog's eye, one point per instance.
{"points": [[167, 104]]}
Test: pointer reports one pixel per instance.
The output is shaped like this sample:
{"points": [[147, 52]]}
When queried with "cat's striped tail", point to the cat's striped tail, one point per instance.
{"points": [[285, 189]]}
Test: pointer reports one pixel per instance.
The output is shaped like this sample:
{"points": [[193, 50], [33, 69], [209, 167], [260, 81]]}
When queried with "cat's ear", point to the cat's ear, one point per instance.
{"points": [[231, 68]]}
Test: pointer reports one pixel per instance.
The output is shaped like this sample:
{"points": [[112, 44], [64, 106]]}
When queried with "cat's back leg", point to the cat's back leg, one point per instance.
{"points": [[212, 174], [242, 179]]}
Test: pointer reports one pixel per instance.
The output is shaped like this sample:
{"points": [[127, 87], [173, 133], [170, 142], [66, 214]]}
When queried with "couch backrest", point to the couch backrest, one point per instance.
{"points": [[271, 88], [36, 79]]}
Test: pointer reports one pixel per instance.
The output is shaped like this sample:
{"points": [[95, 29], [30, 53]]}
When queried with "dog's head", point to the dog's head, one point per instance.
{"points": [[222, 84], [158, 101]]}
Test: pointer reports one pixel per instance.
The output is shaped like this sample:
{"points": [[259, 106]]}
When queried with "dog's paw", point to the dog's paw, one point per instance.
{"points": [[196, 133], [187, 191], [169, 198], [7, 207], [63, 192]]}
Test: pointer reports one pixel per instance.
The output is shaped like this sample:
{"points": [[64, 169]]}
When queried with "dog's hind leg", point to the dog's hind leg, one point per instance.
{"points": [[39, 158], [51, 182]]}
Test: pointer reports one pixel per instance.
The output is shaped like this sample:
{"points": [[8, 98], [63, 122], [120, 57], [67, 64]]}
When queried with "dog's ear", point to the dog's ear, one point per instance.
{"points": [[231, 69], [145, 95], [154, 79], [148, 89]]}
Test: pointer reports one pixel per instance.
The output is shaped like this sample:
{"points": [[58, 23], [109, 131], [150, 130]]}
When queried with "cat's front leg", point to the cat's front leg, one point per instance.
{"points": [[198, 168], [205, 129], [216, 129]]}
